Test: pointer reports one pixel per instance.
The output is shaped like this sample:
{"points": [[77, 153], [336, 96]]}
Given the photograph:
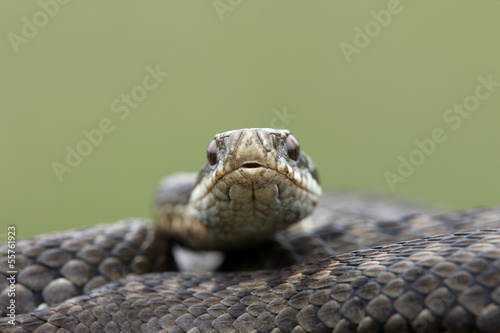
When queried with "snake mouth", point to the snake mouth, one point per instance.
{"points": [[252, 165], [252, 171]]}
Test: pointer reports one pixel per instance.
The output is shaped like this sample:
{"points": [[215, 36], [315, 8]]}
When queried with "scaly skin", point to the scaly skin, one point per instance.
{"points": [[448, 283], [442, 283]]}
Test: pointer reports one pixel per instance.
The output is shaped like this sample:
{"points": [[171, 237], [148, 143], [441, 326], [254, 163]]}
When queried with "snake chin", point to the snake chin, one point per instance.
{"points": [[249, 205]]}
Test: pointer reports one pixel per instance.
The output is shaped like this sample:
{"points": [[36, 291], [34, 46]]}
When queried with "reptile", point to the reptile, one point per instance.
{"points": [[357, 263]]}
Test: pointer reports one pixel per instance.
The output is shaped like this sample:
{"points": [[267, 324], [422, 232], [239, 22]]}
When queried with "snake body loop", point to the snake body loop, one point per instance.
{"points": [[357, 264]]}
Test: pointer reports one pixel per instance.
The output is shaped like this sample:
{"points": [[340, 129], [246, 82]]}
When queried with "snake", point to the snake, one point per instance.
{"points": [[282, 257]]}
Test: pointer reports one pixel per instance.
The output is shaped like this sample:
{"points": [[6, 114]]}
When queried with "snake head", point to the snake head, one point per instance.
{"points": [[256, 182]]}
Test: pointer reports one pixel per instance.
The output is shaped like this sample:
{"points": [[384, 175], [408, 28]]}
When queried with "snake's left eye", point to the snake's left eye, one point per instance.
{"points": [[292, 147], [212, 153]]}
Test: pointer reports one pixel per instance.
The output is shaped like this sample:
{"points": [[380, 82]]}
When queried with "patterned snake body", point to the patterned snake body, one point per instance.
{"points": [[420, 283]]}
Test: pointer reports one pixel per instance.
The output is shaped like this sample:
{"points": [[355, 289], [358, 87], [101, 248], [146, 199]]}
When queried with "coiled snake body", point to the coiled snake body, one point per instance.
{"points": [[357, 264]]}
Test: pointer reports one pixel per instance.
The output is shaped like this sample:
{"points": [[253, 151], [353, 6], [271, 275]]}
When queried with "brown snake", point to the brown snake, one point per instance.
{"points": [[416, 272]]}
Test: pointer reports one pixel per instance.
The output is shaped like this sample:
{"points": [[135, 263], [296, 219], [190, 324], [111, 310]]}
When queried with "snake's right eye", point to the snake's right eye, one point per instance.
{"points": [[292, 147], [212, 153]]}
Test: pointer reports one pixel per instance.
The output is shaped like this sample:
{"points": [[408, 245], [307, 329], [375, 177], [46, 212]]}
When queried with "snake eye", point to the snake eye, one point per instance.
{"points": [[212, 153], [292, 147]]}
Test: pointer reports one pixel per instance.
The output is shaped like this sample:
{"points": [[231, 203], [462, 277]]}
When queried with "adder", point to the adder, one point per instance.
{"points": [[356, 264]]}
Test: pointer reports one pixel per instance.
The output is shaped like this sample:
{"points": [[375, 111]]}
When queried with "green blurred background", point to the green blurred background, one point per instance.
{"points": [[235, 64]]}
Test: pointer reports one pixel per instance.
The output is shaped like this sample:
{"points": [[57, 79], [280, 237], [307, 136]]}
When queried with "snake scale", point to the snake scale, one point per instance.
{"points": [[357, 263]]}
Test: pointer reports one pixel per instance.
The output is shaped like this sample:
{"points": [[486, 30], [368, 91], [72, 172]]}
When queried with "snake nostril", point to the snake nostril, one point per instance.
{"points": [[251, 165]]}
